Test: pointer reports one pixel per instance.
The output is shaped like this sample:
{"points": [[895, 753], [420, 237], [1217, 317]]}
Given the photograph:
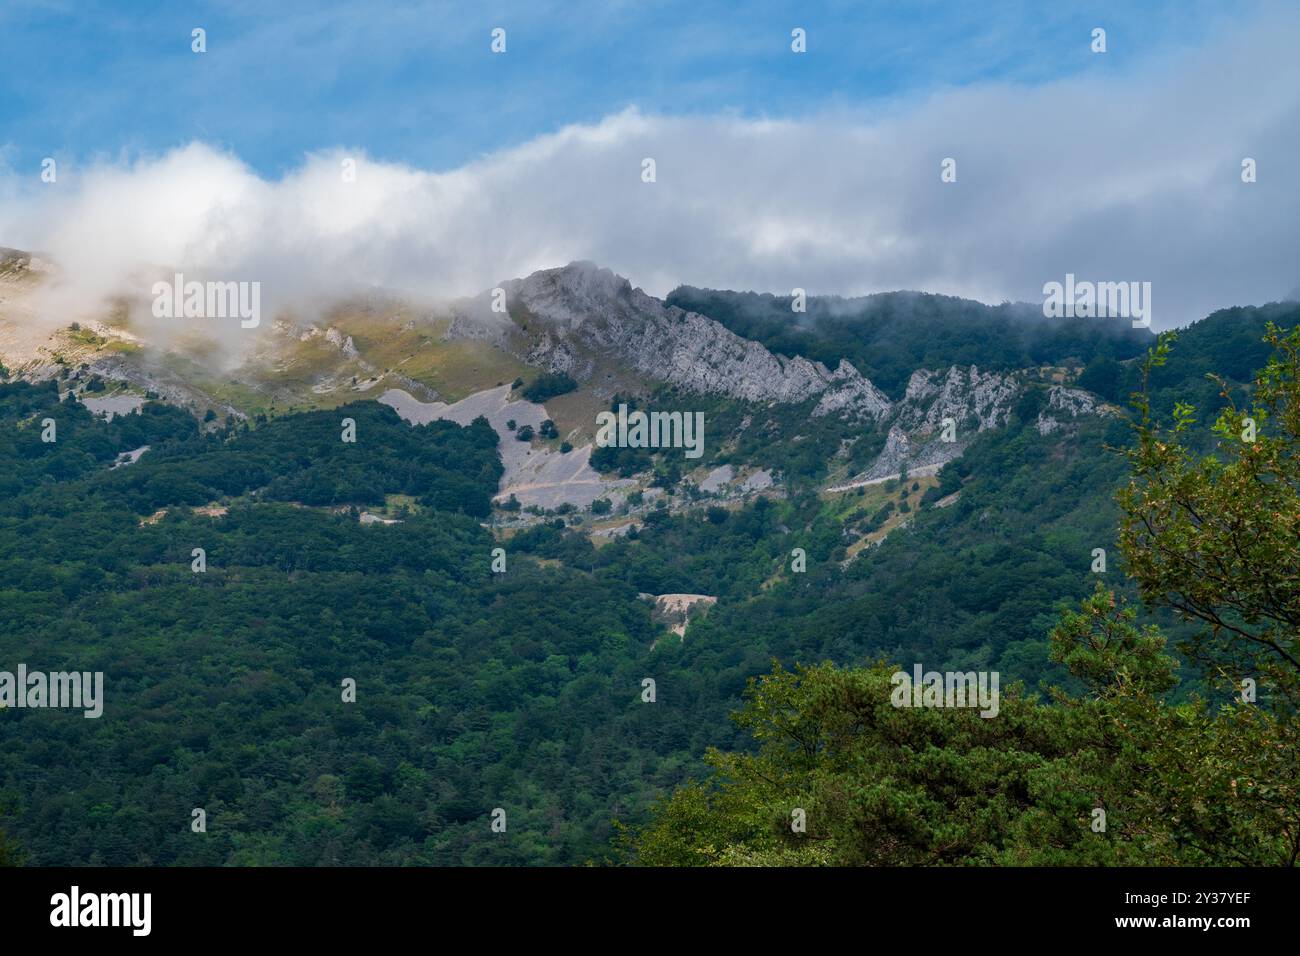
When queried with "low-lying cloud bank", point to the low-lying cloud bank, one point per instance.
{"points": [[1135, 178]]}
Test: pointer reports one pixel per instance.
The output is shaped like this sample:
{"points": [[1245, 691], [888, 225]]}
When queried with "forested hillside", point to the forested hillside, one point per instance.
{"points": [[890, 335], [223, 688], [523, 690], [1119, 769]]}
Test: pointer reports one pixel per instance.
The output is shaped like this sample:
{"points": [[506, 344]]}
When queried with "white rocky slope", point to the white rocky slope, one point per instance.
{"points": [[581, 317], [1062, 403], [938, 416], [533, 475], [592, 324]]}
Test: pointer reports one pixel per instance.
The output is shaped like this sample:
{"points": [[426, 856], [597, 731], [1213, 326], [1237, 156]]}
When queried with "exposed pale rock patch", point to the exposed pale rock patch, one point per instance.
{"points": [[534, 475]]}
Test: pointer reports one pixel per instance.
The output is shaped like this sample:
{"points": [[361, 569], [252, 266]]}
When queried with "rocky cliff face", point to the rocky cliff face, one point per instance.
{"points": [[974, 401], [592, 324], [938, 416], [1063, 403]]}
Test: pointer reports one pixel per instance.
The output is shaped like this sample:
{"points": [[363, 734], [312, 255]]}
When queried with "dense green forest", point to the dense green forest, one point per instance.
{"points": [[1120, 770], [523, 690], [889, 335], [223, 687]]}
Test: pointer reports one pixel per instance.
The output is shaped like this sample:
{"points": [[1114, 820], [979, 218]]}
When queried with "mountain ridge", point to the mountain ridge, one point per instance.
{"points": [[593, 325]]}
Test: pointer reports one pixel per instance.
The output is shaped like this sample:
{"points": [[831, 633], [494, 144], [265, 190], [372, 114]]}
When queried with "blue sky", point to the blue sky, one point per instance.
{"points": [[414, 82], [775, 170]]}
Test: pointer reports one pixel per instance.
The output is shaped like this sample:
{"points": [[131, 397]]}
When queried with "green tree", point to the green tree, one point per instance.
{"points": [[10, 854], [1216, 536]]}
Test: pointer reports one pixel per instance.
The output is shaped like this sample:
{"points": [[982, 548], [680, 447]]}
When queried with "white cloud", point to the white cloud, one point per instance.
{"points": [[1133, 178]]}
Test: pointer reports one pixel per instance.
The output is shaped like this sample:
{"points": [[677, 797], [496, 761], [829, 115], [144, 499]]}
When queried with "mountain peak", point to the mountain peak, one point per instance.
{"points": [[569, 294]]}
